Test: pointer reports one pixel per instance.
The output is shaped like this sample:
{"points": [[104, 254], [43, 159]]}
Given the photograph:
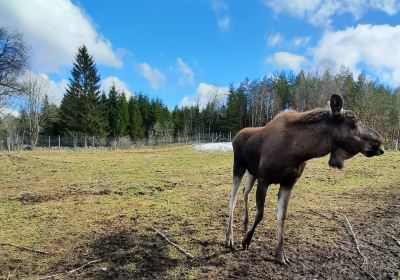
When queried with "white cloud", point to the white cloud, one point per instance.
{"points": [[187, 75], [154, 76], [219, 5], [275, 39], [373, 46], [320, 12], [8, 111], [220, 8], [224, 23], [204, 94], [55, 29], [300, 41], [286, 60], [56, 90], [120, 85]]}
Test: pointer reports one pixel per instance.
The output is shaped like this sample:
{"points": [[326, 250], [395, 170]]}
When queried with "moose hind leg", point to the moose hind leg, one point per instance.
{"points": [[260, 201], [237, 178], [283, 200], [246, 191]]}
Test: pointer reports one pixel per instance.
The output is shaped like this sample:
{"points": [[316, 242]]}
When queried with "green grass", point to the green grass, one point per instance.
{"points": [[66, 202]]}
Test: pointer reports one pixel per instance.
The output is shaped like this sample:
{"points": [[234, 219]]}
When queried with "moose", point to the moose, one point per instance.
{"points": [[277, 154]]}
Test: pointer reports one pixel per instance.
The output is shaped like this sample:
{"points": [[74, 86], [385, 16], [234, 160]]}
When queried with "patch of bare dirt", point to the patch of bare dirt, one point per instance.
{"points": [[28, 198]]}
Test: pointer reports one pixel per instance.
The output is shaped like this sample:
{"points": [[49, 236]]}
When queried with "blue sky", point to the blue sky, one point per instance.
{"points": [[187, 51]]}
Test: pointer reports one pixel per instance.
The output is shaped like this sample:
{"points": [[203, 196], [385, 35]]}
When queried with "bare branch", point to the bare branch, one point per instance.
{"points": [[350, 228], [71, 271], [25, 248], [13, 61], [172, 243]]}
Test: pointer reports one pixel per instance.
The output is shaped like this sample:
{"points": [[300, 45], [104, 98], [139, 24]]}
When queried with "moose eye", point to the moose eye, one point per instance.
{"points": [[352, 117]]}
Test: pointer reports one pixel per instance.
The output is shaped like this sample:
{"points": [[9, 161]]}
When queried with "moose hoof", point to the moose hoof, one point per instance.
{"points": [[246, 242], [229, 244], [282, 260]]}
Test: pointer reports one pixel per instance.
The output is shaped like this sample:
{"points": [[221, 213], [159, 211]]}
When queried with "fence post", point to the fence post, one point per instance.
{"points": [[93, 141], [59, 142], [49, 142]]}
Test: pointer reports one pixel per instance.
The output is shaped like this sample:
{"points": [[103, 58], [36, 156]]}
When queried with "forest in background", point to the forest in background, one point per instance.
{"points": [[87, 110]]}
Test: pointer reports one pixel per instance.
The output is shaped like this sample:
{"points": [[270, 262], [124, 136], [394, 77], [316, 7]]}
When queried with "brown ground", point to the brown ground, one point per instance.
{"points": [[97, 205]]}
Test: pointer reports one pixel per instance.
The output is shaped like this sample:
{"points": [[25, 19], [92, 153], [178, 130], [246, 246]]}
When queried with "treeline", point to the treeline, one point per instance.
{"points": [[86, 110], [251, 103]]}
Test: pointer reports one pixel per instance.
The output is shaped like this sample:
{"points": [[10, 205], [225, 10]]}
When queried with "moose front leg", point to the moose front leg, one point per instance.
{"points": [[283, 200]]}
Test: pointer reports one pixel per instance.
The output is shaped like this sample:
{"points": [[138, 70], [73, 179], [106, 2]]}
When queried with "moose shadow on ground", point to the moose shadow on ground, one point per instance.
{"points": [[128, 254]]}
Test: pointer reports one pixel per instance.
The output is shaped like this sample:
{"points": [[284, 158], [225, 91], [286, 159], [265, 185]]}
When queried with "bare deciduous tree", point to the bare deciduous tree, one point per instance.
{"points": [[13, 61], [35, 89]]}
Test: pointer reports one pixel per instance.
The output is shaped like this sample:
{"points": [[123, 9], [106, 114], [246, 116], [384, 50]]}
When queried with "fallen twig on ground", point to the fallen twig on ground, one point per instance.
{"points": [[25, 248], [254, 205], [351, 231], [70, 271], [365, 262], [363, 269], [320, 214], [172, 243]]}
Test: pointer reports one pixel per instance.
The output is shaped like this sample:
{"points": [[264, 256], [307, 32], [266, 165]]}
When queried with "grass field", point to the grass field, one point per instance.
{"points": [[80, 206]]}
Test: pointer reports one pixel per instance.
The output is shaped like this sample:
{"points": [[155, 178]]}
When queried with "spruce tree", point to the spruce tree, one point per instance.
{"points": [[81, 106], [112, 112], [135, 126], [122, 115]]}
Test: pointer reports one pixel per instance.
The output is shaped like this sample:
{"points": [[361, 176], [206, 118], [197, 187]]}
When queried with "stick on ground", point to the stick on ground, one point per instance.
{"points": [[365, 262], [71, 271], [364, 270], [25, 248], [172, 243]]}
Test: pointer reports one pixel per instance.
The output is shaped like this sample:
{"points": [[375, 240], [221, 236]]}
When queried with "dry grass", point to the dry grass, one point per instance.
{"points": [[87, 205]]}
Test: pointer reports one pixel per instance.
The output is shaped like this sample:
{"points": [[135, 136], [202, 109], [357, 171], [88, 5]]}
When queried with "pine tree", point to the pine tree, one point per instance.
{"points": [[81, 107], [135, 123]]}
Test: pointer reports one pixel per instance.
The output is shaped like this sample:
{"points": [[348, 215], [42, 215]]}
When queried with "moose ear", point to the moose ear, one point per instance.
{"points": [[336, 105]]}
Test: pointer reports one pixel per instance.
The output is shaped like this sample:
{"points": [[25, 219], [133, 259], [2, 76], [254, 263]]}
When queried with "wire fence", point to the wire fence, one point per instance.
{"points": [[20, 142]]}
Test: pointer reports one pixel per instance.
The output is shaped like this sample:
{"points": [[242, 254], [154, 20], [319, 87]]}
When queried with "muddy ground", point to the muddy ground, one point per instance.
{"points": [[89, 217]]}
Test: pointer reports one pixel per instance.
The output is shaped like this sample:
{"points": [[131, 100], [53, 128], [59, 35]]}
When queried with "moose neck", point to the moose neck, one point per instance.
{"points": [[313, 141]]}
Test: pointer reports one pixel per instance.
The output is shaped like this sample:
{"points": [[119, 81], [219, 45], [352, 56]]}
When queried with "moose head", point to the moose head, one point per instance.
{"points": [[349, 136]]}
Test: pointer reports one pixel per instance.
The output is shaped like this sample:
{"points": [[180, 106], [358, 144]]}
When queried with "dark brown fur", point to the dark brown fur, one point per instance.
{"points": [[277, 153]]}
